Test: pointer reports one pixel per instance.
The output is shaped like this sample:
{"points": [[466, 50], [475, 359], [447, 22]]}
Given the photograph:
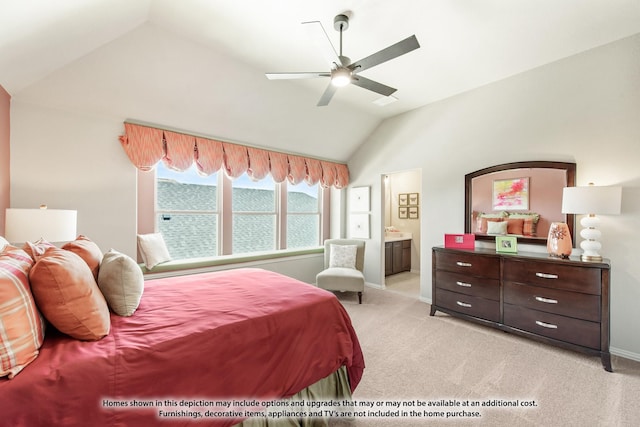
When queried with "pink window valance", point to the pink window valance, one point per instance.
{"points": [[328, 174], [146, 146], [209, 156], [258, 163], [236, 159], [143, 145], [314, 171], [179, 151], [342, 175], [279, 163], [297, 169]]}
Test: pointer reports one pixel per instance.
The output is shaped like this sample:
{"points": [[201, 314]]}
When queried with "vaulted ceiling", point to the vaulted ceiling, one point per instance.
{"points": [[199, 64]]}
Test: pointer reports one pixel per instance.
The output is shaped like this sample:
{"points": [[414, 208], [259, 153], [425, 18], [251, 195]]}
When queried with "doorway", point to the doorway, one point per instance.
{"points": [[402, 201]]}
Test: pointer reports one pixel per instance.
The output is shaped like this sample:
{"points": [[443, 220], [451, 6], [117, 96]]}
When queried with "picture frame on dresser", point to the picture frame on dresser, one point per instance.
{"points": [[507, 244]]}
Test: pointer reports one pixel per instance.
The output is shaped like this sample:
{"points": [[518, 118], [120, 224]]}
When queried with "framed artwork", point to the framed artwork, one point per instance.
{"points": [[511, 194], [403, 212], [359, 226], [413, 212], [359, 199], [414, 199], [462, 241], [508, 244], [403, 199]]}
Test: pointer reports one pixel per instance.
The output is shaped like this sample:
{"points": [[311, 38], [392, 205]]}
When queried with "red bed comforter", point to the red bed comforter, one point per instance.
{"points": [[245, 333]]}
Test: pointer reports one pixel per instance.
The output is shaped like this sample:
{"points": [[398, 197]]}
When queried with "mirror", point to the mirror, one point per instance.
{"points": [[526, 195]]}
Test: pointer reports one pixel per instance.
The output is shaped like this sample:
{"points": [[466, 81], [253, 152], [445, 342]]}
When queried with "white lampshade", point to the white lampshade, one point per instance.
{"points": [[592, 200], [29, 225]]}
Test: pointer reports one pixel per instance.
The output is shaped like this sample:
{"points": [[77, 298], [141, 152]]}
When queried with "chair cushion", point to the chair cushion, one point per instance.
{"points": [[340, 279]]}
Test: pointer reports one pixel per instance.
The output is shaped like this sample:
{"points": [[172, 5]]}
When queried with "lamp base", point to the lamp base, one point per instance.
{"points": [[591, 258]]}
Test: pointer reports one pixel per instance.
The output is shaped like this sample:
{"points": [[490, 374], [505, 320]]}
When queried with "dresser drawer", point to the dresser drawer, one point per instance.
{"points": [[553, 275], [566, 303], [484, 266], [468, 285], [580, 332], [469, 305]]}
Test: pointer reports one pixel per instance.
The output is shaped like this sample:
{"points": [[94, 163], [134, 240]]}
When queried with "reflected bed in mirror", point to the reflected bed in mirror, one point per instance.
{"points": [[520, 198]]}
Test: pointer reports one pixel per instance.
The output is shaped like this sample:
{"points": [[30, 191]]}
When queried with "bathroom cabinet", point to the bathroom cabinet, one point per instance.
{"points": [[397, 256]]}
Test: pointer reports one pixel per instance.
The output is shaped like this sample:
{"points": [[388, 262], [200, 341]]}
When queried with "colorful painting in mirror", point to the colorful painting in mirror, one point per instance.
{"points": [[511, 194]]}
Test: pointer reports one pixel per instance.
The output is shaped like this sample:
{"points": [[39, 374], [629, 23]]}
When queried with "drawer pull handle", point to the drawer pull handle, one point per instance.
{"points": [[463, 264], [547, 300], [463, 284], [547, 276], [546, 325], [463, 304]]}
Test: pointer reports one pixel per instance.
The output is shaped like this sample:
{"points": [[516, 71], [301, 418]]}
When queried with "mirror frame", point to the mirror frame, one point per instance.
{"points": [[569, 168]]}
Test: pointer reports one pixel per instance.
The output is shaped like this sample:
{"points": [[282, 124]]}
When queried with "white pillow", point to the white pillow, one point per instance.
{"points": [[494, 227], [342, 256], [121, 282], [153, 249], [3, 243]]}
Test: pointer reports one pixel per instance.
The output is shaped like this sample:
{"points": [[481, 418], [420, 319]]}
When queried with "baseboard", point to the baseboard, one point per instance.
{"points": [[624, 353], [375, 285], [424, 299]]}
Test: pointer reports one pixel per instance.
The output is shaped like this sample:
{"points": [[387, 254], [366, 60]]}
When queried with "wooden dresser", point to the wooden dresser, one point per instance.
{"points": [[557, 301]]}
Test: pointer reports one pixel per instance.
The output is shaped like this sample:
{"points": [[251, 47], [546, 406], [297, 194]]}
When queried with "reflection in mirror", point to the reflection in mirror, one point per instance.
{"points": [[521, 198]]}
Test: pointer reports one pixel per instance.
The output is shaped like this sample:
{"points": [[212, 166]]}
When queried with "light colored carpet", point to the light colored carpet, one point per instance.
{"points": [[413, 357], [406, 283]]}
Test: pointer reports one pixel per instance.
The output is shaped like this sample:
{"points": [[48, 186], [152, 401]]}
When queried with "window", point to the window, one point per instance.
{"points": [[209, 216], [187, 212], [303, 215], [254, 215]]}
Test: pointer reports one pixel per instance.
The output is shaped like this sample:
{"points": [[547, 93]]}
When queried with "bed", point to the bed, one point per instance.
{"points": [[236, 335]]}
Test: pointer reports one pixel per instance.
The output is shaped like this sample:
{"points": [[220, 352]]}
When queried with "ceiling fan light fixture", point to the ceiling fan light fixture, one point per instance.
{"points": [[340, 77]]}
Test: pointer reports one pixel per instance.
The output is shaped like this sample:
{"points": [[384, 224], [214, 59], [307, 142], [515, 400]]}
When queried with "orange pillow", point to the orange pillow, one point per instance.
{"points": [[515, 226], [21, 324], [36, 249], [529, 227], [88, 251], [68, 296]]}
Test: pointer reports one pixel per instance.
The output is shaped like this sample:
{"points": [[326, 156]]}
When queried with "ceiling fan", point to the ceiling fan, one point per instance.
{"points": [[343, 71]]}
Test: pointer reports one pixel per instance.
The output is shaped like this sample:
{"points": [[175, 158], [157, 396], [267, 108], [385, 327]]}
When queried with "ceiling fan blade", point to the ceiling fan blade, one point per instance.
{"points": [[372, 85], [327, 95], [386, 54], [295, 75], [319, 37]]}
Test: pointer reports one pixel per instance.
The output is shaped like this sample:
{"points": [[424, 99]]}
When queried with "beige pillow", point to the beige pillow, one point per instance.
{"points": [[67, 295], [121, 282], [153, 249], [495, 227], [3, 243], [343, 256]]}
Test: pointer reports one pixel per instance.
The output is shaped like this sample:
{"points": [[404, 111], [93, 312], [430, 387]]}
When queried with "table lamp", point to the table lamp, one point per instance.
{"points": [[591, 200], [29, 225]]}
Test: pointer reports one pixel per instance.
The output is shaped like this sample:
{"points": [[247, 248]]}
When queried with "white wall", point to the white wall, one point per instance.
{"points": [[583, 109], [74, 161]]}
